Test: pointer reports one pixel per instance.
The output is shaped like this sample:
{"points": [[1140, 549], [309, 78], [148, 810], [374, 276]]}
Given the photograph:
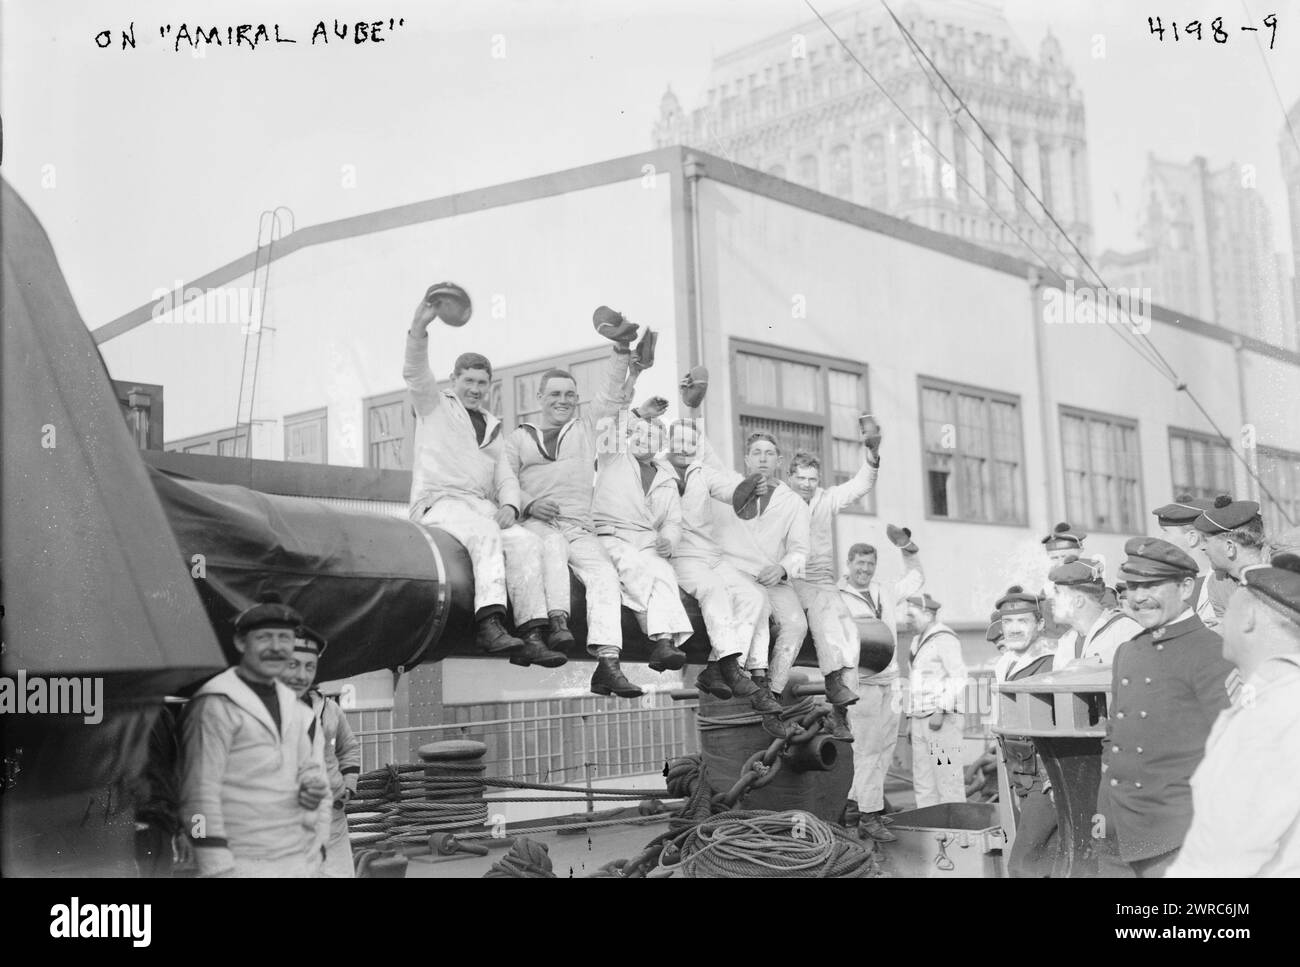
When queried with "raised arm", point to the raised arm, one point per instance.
{"points": [[856, 487], [913, 579], [620, 382], [419, 377]]}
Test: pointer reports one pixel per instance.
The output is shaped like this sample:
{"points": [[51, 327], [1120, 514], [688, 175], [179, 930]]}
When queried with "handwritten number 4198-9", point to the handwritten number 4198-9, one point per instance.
{"points": [[1215, 31]]}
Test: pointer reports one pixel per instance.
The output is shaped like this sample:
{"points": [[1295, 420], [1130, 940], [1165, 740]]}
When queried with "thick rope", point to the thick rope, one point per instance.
{"points": [[753, 843]]}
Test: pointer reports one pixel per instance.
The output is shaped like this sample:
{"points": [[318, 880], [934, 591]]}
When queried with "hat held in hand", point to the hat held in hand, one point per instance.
{"points": [[694, 385], [643, 354], [901, 537], [613, 325], [456, 306], [744, 499]]}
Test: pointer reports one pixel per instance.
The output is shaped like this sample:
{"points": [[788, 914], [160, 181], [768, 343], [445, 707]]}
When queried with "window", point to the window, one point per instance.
{"points": [[1102, 461], [305, 437], [1045, 174], [390, 431], [1279, 471], [1201, 465], [974, 457], [842, 171], [990, 172], [587, 367], [877, 175], [221, 443], [808, 171], [960, 174], [1018, 164], [807, 402]]}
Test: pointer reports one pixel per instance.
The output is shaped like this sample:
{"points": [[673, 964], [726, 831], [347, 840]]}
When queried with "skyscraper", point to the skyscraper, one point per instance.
{"points": [[1208, 250], [797, 106]]}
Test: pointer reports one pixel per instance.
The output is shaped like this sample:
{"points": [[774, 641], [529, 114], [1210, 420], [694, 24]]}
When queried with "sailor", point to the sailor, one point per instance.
{"points": [[1167, 687], [463, 484], [1245, 800], [1079, 593], [252, 786], [1234, 536], [1177, 521], [734, 606], [1027, 653], [638, 516], [834, 632], [1063, 543], [765, 536], [335, 743], [553, 460], [936, 687], [875, 718]]}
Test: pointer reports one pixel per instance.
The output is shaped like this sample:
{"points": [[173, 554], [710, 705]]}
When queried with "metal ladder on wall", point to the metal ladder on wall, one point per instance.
{"points": [[270, 229]]}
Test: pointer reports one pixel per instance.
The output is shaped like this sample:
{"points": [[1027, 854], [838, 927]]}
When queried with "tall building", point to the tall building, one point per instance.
{"points": [[1207, 250], [795, 105], [1289, 148]]}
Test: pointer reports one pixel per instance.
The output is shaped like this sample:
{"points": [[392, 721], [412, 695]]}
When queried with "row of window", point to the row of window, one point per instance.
{"points": [[972, 439]]}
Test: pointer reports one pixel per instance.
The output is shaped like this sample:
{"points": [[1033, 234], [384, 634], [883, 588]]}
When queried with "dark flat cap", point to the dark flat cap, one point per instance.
{"points": [[995, 629], [744, 501], [269, 612], [1063, 535], [1018, 601], [1078, 570], [1278, 582], [1151, 560], [309, 640], [1226, 514], [1184, 510], [924, 601]]}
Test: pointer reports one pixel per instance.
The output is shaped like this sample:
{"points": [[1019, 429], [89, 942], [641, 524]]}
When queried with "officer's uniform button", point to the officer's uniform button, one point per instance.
{"points": [[1139, 750], [1114, 748], [1137, 785], [1124, 681], [1148, 681], [1142, 714], [1160, 647], [1114, 782], [1119, 715]]}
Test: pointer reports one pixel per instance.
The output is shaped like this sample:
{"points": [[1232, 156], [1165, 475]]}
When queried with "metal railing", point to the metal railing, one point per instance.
{"points": [[556, 741]]}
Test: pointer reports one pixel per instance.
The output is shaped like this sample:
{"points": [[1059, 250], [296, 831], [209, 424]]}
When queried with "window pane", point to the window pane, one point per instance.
{"points": [[846, 403], [757, 380], [304, 442], [972, 435], [800, 387], [790, 436]]}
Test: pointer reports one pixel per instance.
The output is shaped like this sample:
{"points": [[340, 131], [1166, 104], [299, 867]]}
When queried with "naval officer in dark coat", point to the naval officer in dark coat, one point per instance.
{"points": [[1168, 685]]}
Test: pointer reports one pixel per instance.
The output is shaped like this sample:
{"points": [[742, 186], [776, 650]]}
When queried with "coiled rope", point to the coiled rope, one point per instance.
{"points": [[752, 843]]}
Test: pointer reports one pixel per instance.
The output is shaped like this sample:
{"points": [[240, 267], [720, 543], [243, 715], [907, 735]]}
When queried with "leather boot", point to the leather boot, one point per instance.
{"points": [[493, 638], [737, 680], [837, 693], [871, 826], [560, 637], [666, 658], [710, 680], [535, 652], [609, 680], [763, 684], [838, 721]]}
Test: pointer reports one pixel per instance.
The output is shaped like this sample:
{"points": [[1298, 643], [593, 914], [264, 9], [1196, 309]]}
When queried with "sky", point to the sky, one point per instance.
{"points": [[150, 165]]}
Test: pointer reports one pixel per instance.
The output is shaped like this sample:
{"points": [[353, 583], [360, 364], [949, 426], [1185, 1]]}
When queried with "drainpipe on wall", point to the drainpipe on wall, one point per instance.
{"points": [[692, 172], [1044, 402], [1250, 453]]}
